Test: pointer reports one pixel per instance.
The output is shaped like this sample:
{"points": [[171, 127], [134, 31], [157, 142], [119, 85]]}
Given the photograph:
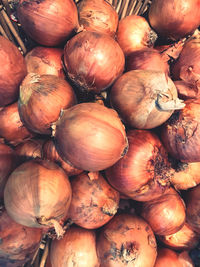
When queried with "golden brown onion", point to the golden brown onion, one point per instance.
{"points": [[167, 257]]}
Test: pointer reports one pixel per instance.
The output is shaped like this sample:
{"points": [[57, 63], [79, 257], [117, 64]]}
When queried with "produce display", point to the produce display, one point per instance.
{"points": [[99, 133]]}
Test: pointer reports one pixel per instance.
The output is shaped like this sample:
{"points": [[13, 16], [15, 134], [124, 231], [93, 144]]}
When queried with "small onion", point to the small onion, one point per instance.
{"points": [[12, 71], [48, 195], [42, 97], [127, 240], [18, 243], [93, 60], [174, 19], [186, 90], [48, 22], [90, 136], [144, 99], [165, 214], [167, 257], [98, 16], [45, 60], [94, 201], [134, 33], [76, 248]]}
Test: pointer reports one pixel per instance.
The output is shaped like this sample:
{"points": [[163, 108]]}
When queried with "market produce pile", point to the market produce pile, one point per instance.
{"points": [[99, 136]]}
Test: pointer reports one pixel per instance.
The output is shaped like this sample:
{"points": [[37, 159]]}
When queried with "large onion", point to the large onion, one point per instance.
{"points": [[12, 71], [48, 22], [174, 19], [144, 99], [167, 257], [127, 240], [42, 97], [48, 195], [90, 136], [93, 60], [76, 248]]}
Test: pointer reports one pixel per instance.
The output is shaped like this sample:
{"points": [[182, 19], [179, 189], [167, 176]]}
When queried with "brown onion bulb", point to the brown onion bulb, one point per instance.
{"points": [[48, 22], [48, 195], [167, 257], [144, 99], [185, 259], [94, 201], [12, 128], [98, 16], [127, 240], [76, 248], [134, 33], [18, 243], [12, 71], [165, 214], [90, 136], [93, 60], [42, 98], [186, 90], [45, 60], [144, 172], [174, 19], [49, 152]]}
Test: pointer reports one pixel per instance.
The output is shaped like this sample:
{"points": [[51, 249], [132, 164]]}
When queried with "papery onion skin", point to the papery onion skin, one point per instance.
{"points": [[134, 33], [12, 129], [77, 247], [167, 257], [99, 16], [186, 90], [144, 99], [94, 201], [42, 97], [93, 60], [144, 172], [12, 71], [127, 240], [100, 133], [45, 60], [47, 190], [174, 19], [18, 243], [48, 22], [165, 214]]}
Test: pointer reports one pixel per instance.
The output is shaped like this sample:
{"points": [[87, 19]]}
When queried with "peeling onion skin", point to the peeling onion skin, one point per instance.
{"points": [[126, 240], [167, 257]]}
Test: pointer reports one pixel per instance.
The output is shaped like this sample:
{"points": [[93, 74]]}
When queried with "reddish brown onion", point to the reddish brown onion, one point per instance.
{"points": [[48, 22], [134, 32], [93, 60], [12, 71], [144, 172], [42, 98], [186, 90], [77, 247], [174, 19], [185, 259], [127, 240], [98, 16], [167, 257], [90, 136]]}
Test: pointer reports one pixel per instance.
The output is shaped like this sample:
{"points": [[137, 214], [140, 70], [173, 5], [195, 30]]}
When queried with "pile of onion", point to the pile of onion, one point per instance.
{"points": [[12, 71], [90, 136], [48, 195]]}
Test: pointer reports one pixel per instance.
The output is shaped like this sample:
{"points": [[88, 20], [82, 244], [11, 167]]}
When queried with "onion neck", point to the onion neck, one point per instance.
{"points": [[164, 102], [52, 223]]}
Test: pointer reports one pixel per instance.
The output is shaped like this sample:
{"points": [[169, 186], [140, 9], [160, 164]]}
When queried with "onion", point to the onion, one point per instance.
{"points": [[98, 16], [180, 134], [134, 33], [48, 195], [144, 172], [144, 99], [12, 71], [90, 136], [186, 90], [174, 19], [76, 248], [48, 22], [127, 240], [42, 97], [18, 243], [167, 257], [45, 60], [12, 128], [93, 60], [165, 214], [185, 259], [49, 152], [94, 201]]}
